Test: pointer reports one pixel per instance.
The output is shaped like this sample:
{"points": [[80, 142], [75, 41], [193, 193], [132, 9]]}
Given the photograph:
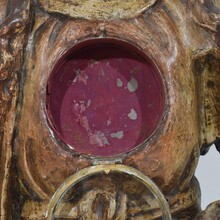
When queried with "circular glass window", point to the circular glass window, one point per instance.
{"points": [[104, 97]]}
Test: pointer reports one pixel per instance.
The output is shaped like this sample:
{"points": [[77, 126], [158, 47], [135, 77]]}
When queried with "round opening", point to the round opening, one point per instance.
{"points": [[104, 97]]}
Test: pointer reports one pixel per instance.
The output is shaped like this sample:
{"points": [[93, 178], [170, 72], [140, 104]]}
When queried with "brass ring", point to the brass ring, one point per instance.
{"points": [[82, 174]]}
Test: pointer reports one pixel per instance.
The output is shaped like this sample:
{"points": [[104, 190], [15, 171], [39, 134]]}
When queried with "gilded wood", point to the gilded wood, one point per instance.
{"points": [[182, 37], [12, 38], [101, 10]]}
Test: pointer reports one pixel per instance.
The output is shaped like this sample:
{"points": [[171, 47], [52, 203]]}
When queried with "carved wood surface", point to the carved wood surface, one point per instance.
{"points": [[101, 10], [211, 212], [182, 38], [12, 38]]}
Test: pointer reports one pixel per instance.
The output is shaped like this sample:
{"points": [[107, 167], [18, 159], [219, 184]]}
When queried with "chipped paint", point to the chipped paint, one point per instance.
{"points": [[84, 122], [89, 102], [77, 71], [119, 135], [132, 85], [98, 139], [82, 78], [119, 83], [79, 107], [132, 114]]}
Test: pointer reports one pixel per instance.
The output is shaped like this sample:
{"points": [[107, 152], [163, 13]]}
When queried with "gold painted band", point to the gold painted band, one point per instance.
{"points": [[119, 168]]}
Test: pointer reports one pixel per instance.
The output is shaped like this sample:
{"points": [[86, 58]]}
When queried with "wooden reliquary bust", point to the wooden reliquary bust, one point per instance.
{"points": [[106, 106]]}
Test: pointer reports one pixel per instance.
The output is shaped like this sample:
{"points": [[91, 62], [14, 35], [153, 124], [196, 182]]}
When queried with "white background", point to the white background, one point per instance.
{"points": [[208, 174]]}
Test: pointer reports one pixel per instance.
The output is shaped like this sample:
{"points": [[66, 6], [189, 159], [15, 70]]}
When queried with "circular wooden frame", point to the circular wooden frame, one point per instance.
{"points": [[122, 110]]}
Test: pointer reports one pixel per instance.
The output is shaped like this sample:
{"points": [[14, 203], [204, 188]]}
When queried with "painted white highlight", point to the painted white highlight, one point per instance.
{"points": [[109, 122]]}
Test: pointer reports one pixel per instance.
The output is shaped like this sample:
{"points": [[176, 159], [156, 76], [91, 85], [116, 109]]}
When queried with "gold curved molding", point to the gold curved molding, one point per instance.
{"points": [[98, 10], [87, 172]]}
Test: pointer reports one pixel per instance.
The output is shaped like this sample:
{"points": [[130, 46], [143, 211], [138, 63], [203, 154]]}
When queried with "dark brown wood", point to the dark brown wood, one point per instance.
{"points": [[181, 37]]}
